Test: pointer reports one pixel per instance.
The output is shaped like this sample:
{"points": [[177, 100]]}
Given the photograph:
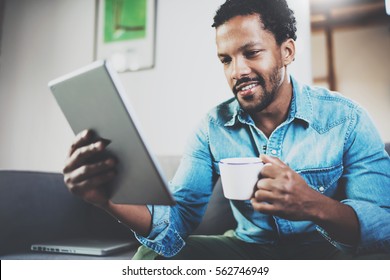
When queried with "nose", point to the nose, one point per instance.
{"points": [[240, 68]]}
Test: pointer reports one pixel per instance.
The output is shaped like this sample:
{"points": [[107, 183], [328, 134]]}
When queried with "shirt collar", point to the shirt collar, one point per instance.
{"points": [[303, 106], [300, 108]]}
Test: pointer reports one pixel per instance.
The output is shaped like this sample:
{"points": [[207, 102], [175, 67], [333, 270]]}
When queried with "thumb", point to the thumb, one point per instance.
{"points": [[273, 160]]}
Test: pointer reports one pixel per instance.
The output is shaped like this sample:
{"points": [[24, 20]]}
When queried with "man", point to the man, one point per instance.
{"points": [[325, 192]]}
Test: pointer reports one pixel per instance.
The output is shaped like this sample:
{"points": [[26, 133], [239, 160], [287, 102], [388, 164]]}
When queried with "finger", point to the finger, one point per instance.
{"points": [[96, 182], [91, 170], [266, 208], [268, 196], [269, 170], [82, 154], [83, 138], [273, 160], [264, 184], [263, 196]]}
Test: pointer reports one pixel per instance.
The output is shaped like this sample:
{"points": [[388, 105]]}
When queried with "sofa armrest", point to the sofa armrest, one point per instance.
{"points": [[37, 207]]}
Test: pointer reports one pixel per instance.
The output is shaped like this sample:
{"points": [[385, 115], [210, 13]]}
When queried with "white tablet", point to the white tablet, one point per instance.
{"points": [[93, 98]]}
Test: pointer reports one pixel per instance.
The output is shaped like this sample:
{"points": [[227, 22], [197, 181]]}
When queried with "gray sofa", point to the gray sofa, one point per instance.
{"points": [[37, 207]]}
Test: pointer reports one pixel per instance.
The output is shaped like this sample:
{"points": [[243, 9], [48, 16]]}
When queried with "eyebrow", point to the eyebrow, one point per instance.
{"points": [[248, 45], [242, 48]]}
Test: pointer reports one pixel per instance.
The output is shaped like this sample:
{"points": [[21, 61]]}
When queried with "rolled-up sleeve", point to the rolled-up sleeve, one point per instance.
{"points": [[366, 183], [192, 186]]}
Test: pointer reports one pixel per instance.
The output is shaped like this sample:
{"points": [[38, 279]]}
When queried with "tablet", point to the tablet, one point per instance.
{"points": [[93, 98]]}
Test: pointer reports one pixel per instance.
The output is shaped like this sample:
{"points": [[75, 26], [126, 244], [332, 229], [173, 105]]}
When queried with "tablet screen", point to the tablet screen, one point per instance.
{"points": [[93, 98]]}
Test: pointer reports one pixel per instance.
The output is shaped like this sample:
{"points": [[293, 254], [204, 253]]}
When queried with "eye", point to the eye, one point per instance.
{"points": [[225, 60], [252, 53]]}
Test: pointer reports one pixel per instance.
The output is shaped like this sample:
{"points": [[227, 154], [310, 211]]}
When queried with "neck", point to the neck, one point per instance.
{"points": [[277, 112]]}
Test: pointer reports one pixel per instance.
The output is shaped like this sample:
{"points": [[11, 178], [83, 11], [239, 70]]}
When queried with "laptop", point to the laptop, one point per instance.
{"points": [[94, 247], [93, 98]]}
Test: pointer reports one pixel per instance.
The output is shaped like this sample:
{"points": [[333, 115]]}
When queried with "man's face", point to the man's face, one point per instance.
{"points": [[252, 61]]}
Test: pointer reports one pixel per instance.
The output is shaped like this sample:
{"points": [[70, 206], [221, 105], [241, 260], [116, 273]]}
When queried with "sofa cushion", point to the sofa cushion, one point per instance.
{"points": [[218, 217], [36, 206]]}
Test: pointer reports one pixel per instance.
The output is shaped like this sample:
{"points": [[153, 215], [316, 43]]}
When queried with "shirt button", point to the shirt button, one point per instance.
{"points": [[321, 188], [273, 152]]}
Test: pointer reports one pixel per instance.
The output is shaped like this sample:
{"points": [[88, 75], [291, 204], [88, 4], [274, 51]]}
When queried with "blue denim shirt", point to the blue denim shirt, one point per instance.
{"points": [[329, 140]]}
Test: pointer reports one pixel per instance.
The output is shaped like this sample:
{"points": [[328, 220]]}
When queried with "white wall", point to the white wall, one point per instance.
{"points": [[364, 74], [43, 39], [362, 67]]}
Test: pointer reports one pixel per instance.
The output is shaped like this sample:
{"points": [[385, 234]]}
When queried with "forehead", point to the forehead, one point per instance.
{"points": [[241, 30]]}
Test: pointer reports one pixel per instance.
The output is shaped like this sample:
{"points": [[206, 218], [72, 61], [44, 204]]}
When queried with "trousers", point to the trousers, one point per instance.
{"points": [[229, 247]]}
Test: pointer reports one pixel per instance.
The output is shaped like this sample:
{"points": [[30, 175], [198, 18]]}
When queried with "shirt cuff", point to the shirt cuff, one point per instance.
{"points": [[163, 238], [339, 245], [374, 229], [374, 226]]}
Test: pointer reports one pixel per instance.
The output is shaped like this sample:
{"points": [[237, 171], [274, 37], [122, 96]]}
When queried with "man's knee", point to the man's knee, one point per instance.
{"points": [[196, 248], [144, 253]]}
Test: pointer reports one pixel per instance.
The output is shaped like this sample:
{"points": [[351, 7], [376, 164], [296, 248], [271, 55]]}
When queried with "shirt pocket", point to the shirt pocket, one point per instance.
{"points": [[324, 180]]}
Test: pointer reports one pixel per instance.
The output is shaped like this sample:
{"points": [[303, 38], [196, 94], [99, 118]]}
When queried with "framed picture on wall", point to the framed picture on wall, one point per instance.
{"points": [[125, 33]]}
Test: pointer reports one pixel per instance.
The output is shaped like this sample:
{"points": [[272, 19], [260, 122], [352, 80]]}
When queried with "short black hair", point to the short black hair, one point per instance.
{"points": [[275, 15]]}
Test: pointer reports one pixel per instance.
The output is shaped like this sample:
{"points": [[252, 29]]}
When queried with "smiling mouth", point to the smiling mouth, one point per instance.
{"points": [[247, 90], [248, 87], [245, 85]]}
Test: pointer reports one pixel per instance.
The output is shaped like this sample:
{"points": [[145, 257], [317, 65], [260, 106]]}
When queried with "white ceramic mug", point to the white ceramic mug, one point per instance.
{"points": [[239, 176]]}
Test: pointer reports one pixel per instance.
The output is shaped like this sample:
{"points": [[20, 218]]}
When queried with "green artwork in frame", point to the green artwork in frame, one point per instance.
{"points": [[124, 20], [125, 33]]}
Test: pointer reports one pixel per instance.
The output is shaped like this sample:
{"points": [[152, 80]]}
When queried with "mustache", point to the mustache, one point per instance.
{"points": [[257, 79]]}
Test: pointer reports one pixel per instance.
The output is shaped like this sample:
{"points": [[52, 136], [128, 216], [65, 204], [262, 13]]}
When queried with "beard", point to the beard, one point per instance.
{"points": [[257, 103]]}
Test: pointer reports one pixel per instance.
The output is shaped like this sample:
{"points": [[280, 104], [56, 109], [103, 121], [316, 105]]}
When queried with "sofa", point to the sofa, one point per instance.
{"points": [[37, 207]]}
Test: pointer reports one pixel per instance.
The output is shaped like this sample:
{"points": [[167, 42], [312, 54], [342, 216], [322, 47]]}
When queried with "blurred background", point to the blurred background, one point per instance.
{"points": [[343, 45], [350, 42]]}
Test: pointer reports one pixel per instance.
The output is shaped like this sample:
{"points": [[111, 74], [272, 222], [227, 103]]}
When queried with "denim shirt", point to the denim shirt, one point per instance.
{"points": [[329, 140]]}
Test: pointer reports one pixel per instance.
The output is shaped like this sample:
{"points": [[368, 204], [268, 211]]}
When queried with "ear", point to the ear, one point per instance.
{"points": [[288, 51]]}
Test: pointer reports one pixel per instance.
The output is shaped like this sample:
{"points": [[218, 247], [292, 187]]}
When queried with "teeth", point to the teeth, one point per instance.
{"points": [[248, 87]]}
